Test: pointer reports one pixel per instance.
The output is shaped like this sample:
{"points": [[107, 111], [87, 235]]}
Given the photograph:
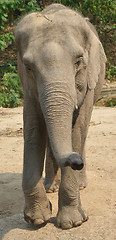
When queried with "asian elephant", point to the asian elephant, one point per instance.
{"points": [[61, 64]]}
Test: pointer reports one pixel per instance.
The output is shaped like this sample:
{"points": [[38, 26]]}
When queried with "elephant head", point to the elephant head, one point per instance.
{"points": [[60, 61]]}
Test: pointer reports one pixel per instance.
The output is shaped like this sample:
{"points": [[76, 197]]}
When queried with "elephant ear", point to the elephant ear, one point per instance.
{"points": [[97, 57]]}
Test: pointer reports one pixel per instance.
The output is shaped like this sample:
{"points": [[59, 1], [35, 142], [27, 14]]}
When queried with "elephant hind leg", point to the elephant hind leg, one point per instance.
{"points": [[52, 172], [82, 174]]}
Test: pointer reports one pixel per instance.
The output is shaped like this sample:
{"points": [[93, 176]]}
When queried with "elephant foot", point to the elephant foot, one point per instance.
{"points": [[82, 185], [52, 186], [36, 215], [70, 216]]}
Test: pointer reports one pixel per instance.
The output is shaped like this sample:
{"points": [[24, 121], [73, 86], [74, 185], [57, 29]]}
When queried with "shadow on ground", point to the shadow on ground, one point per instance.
{"points": [[12, 204]]}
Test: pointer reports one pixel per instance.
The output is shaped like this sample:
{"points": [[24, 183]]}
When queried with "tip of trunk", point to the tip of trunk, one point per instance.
{"points": [[74, 160]]}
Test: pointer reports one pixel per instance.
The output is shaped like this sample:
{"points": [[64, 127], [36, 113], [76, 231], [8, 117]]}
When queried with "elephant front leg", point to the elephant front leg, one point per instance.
{"points": [[37, 207], [52, 172], [70, 213]]}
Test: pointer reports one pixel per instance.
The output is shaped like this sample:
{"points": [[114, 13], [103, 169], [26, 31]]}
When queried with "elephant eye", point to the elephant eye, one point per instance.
{"points": [[78, 65], [28, 68]]}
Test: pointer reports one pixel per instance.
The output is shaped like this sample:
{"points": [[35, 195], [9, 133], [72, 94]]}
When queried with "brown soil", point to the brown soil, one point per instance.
{"points": [[98, 198]]}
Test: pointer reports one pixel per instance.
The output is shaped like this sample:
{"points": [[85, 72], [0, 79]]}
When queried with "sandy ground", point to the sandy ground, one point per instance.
{"points": [[98, 198]]}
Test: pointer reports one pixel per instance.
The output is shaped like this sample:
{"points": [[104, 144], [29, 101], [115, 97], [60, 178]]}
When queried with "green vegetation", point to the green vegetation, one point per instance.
{"points": [[10, 10], [107, 101], [100, 12], [110, 102], [11, 91]]}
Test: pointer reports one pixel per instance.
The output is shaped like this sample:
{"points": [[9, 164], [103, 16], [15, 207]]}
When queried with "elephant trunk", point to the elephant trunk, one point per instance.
{"points": [[57, 106]]}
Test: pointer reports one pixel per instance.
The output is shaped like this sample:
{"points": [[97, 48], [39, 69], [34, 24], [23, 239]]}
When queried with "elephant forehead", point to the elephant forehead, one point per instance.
{"points": [[51, 26], [52, 51], [47, 50], [67, 28]]}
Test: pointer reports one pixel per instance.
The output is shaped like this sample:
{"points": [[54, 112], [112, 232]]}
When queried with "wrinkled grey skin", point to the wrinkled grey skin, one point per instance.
{"points": [[61, 65]]}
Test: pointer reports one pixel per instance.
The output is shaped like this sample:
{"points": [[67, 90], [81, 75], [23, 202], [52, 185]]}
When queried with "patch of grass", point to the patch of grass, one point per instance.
{"points": [[107, 102], [110, 102]]}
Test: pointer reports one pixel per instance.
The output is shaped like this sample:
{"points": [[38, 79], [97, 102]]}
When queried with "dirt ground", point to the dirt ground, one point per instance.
{"points": [[98, 198]]}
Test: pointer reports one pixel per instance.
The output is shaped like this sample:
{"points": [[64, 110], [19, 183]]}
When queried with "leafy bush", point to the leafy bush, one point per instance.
{"points": [[6, 39], [107, 101], [110, 71], [11, 91], [10, 88], [110, 102], [10, 10]]}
